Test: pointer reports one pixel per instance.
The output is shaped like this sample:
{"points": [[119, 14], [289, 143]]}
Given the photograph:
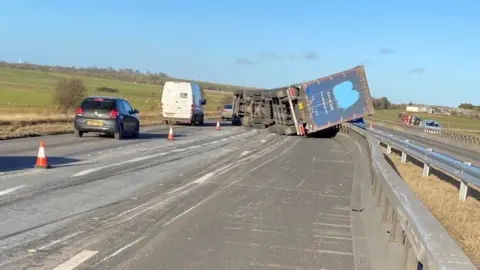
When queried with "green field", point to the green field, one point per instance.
{"points": [[452, 123], [28, 90]]}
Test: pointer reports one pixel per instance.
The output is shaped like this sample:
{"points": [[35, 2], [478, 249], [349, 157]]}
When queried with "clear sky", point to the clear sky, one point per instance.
{"points": [[418, 51]]}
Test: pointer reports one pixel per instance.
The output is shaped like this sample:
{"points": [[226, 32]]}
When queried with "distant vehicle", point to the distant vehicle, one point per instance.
{"points": [[109, 115], [431, 124], [182, 102], [227, 112]]}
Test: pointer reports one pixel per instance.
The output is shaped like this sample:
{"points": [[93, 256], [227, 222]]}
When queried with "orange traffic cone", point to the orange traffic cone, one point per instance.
{"points": [[41, 157], [170, 134], [218, 125]]}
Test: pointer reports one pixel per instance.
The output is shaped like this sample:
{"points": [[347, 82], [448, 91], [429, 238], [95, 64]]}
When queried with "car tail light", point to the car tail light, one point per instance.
{"points": [[79, 111], [192, 107], [113, 113], [98, 99]]}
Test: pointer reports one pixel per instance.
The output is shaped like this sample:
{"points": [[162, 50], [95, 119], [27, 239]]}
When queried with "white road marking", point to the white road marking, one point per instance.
{"points": [[333, 237], [59, 240], [204, 178], [10, 190], [331, 225], [244, 153], [262, 141], [329, 252], [76, 260], [122, 249]]}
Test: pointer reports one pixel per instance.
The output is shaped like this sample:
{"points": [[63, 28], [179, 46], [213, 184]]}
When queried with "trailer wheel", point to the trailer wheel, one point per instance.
{"points": [[281, 94], [277, 129], [257, 98], [257, 92], [284, 100], [290, 130], [238, 92], [258, 126]]}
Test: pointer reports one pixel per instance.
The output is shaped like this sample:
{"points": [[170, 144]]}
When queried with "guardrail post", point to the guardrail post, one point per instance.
{"points": [[462, 196], [426, 169], [389, 148], [404, 157], [404, 154], [426, 166]]}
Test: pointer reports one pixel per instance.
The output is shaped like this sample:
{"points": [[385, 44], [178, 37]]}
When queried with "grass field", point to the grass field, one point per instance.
{"points": [[451, 123], [26, 96], [460, 219]]}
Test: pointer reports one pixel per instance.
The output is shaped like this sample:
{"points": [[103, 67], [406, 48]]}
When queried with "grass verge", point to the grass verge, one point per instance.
{"points": [[440, 194], [32, 125]]}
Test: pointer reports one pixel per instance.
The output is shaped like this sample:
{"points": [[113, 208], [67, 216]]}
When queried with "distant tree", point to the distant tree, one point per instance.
{"points": [[68, 94], [466, 106], [382, 103], [410, 104]]}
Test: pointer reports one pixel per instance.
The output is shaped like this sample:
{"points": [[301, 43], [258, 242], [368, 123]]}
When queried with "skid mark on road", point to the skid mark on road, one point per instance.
{"points": [[92, 170], [164, 200], [58, 241], [10, 190], [122, 249]]}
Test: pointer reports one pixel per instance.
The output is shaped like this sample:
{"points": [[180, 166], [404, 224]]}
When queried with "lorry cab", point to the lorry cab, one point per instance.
{"points": [[182, 102]]}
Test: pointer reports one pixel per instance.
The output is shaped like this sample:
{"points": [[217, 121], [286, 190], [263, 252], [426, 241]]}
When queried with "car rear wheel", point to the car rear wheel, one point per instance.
{"points": [[78, 133], [119, 134], [136, 131]]}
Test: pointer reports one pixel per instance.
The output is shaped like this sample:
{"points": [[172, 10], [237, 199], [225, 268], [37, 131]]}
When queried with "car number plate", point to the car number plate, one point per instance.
{"points": [[95, 123]]}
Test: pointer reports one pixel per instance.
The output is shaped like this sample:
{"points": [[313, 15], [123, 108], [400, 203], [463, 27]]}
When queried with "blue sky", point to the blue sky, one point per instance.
{"points": [[419, 51]]}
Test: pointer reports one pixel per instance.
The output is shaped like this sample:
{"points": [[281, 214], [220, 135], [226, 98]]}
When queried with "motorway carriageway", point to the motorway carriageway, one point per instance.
{"points": [[236, 198], [447, 149]]}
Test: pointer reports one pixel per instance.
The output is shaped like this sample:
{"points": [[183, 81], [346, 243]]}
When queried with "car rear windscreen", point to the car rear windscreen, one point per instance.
{"points": [[227, 107], [97, 104]]}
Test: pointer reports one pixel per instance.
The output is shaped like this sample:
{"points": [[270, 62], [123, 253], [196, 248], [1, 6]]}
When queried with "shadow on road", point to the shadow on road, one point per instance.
{"points": [[141, 136], [151, 136], [324, 134], [14, 163]]}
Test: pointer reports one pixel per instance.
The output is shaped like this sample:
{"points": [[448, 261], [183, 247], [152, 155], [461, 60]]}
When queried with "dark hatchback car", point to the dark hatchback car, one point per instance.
{"points": [[109, 115]]}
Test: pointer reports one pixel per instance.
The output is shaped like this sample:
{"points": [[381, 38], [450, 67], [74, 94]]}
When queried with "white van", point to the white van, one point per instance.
{"points": [[182, 102]]}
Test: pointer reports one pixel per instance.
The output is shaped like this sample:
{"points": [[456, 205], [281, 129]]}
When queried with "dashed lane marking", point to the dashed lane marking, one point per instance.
{"points": [[76, 260]]}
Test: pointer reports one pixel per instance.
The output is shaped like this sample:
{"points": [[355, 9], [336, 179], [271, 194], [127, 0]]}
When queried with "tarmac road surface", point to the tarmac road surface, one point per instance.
{"points": [[230, 199]]}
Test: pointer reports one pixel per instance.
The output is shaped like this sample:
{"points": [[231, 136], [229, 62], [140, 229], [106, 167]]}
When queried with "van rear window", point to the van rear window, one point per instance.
{"points": [[183, 95]]}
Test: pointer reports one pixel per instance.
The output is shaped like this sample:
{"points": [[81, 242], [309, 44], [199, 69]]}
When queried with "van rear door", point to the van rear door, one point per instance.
{"points": [[177, 101], [184, 104]]}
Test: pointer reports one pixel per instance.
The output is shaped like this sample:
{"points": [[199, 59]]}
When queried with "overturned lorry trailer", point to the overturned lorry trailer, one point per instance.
{"points": [[306, 108]]}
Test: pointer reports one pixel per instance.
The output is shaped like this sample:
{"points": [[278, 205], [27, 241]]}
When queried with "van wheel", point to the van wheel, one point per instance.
{"points": [[78, 133]]}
